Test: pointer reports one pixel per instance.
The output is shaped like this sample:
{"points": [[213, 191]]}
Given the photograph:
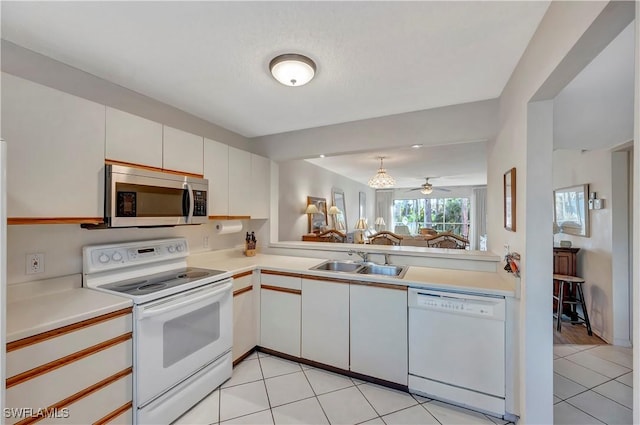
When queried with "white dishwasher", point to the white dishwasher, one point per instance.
{"points": [[457, 348]]}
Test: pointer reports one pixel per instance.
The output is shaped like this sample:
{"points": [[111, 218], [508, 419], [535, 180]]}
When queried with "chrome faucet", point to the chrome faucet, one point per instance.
{"points": [[387, 259], [362, 254]]}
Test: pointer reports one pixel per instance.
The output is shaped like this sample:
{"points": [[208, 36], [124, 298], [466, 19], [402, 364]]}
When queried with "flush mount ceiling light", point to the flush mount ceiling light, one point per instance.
{"points": [[381, 180], [292, 69]]}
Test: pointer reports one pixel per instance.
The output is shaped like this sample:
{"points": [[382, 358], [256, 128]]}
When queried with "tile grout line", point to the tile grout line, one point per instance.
{"points": [[264, 382], [316, 395], [605, 360], [429, 411], [586, 413]]}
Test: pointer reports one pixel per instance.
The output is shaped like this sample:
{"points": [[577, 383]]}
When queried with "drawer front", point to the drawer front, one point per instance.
{"points": [[99, 404], [35, 355], [289, 282], [60, 383], [242, 281]]}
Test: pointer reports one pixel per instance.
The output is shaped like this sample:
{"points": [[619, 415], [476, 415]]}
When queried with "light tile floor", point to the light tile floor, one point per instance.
{"points": [[592, 384], [270, 390]]}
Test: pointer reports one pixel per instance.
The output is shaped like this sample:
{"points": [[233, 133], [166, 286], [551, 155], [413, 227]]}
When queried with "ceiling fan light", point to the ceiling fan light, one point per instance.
{"points": [[426, 190], [292, 69]]}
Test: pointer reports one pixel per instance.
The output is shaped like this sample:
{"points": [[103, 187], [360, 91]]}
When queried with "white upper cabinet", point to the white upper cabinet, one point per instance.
{"points": [[216, 170], [260, 186], [239, 182], [55, 145], [133, 139], [182, 151]]}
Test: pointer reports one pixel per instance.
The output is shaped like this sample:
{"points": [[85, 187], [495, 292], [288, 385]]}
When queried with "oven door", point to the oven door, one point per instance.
{"points": [[178, 335]]}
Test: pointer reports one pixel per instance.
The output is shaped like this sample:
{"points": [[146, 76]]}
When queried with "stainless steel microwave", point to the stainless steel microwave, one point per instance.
{"points": [[137, 197]]}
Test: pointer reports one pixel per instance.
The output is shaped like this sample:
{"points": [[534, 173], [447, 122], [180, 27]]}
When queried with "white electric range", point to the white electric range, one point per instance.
{"points": [[183, 322]]}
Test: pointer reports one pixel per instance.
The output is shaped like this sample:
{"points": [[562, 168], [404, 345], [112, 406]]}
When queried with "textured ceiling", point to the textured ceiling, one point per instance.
{"points": [[211, 58]]}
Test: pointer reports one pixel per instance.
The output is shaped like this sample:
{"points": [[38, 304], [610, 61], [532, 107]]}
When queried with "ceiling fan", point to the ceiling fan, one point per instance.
{"points": [[426, 188]]}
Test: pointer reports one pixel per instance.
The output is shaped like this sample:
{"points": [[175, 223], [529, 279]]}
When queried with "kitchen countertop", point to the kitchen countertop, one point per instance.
{"points": [[481, 283], [62, 303]]}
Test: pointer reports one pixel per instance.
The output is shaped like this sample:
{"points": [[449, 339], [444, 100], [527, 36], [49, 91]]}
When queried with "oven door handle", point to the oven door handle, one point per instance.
{"points": [[208, 293]]}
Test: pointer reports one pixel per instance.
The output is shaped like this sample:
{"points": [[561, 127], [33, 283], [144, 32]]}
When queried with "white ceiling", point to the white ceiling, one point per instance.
{"points": [[463, 164], [211, 58]]}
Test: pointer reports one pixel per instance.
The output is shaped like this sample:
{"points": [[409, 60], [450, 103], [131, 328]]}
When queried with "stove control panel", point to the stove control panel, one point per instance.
{"points": [[114, 256]]}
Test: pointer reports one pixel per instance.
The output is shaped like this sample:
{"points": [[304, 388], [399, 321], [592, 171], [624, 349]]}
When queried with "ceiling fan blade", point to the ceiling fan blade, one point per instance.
{"points": [[442, 189], [415, 188]]}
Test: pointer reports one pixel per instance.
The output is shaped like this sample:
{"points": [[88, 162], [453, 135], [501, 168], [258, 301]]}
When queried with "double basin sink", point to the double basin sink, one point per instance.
{"points": [[361, 268]]}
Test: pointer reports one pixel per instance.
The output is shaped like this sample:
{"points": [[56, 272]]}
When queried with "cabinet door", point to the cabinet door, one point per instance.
{"points": [[260, 186], [181, 151], [239, 182], [325, 322], [379, 341], [280, 314], [133, 139], [55, 144], [245, 336], [216, 170]]}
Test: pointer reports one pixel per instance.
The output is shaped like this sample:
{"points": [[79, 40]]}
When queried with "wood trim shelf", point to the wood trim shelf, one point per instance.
{"points": [[243, 274], [150, 168], [282, 273], [35, 339], [54, 220], [63, 361], [87, 392], [229, 217], [380, 285], [242, 290], [111, 416], [281, 289], [327, 279]]}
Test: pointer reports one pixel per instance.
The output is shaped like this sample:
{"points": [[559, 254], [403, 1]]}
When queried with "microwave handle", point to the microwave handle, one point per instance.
{"points": [[188, 203]]}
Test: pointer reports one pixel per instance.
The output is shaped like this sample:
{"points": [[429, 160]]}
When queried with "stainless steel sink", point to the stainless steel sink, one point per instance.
{"points": [[338, 266], [386, 270], [361, 268]]}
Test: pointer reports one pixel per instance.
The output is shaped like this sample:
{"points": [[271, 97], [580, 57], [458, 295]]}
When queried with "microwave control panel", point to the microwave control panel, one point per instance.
{"points": [[199, 203]]}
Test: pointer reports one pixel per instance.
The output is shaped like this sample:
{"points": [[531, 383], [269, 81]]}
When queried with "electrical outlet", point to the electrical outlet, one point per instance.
{"points": [[35, 263], [205, 241]]}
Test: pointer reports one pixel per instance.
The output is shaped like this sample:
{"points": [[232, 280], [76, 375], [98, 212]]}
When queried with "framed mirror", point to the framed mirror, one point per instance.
{"points": [[570, 212], [318, 221], [339, 219], [509, 197], [362, 198]]}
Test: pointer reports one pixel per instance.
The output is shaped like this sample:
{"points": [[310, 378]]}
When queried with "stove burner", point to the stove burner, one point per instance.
{"points": [[192, 275], [152, 286]]}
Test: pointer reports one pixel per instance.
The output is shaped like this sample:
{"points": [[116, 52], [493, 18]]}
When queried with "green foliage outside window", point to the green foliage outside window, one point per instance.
{"points": [[441, 214]]}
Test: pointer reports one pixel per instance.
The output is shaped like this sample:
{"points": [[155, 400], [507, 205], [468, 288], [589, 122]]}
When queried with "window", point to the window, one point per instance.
{"points": [[441, 214]]}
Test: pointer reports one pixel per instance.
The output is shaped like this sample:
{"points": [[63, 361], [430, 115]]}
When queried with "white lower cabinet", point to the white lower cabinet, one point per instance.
{"points": [[280, 313], [81, 373], [245, 320], [325, 321], [379, 344]]}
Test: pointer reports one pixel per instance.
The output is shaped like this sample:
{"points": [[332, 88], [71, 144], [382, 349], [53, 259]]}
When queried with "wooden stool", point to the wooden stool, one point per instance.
{"points": [[572, 301]]}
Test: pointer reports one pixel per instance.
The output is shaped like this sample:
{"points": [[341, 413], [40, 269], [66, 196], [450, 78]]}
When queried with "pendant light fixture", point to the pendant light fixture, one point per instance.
{"points": [[292, 69], [381, 180]]}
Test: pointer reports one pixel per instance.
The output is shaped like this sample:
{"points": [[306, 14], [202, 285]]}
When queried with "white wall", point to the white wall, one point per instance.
{"points": [[571, 168], [595, 110], [469, 122], [551, 46], [62, 244], [299, 179]]}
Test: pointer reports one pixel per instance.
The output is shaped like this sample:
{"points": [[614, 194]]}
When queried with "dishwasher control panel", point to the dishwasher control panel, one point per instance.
{"points": [[457, 303], [436, 302]]}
